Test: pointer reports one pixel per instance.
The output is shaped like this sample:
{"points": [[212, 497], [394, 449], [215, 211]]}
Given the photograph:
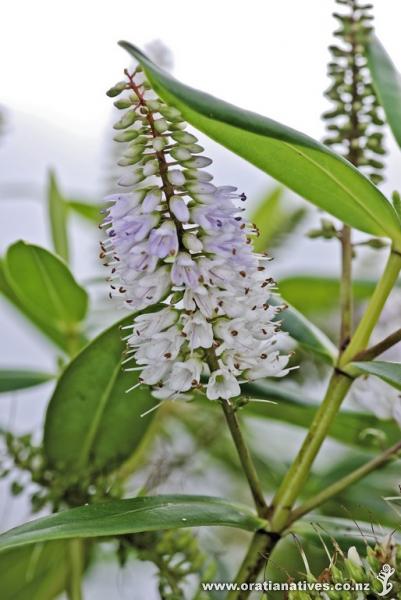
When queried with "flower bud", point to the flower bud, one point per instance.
{"points": [[126, 136], [179, 209], [176, 177], [117, 89], [120, 104], [126, 121], [183, 137]]}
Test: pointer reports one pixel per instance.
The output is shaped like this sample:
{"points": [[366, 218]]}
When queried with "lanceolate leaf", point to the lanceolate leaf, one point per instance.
{"points": [[24, 282], [132, 516], [387, 82], [58, 218], [361, 430], [301, 163], [92, 422], [387, 371], [305, 332], [15, 379]]}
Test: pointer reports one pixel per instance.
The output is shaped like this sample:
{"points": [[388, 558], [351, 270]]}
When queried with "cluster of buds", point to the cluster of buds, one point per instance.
{"points": [[178, 558], [374, 575], [355, 122], [173, 237]]}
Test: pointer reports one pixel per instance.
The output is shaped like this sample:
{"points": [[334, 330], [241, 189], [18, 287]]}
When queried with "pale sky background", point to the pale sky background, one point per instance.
{"points": [[59, 57]]}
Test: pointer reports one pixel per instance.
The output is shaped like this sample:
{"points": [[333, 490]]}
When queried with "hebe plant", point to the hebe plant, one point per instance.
{"points": [[201, 346]]}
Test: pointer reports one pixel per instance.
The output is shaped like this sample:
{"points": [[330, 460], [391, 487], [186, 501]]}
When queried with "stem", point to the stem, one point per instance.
{"points": [[346, 288], [337, 389], [300, 468], [381, 347], [346, 481], [245, 458], [76, 561], [241, 446], [372, 313], [258, 553]]}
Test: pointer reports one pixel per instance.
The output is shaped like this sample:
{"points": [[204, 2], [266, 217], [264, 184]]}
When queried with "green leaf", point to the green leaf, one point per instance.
{"points": [[389, 372], [362, 430], [91, 421], [16, 379], [274, 219], [44, 289], [91, 212], [296, 160], [387, 83], [38, 572], [57, 209], [43, 326], [132, 515], [305, 332], [311, 294]]}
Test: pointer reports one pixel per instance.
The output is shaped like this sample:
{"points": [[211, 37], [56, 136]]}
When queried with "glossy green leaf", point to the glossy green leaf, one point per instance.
{"points": [[361, 430], [387, 83], [91, 212], [36, 572], [57, 209], [18, 379], [44, 327], [91, 421], [312, 294], [296, 160], [46, 292], [389, 372], [305, 333], [132, 515]]}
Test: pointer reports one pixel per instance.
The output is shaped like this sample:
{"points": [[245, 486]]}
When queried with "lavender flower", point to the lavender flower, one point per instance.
{"points": [[176, 239]]}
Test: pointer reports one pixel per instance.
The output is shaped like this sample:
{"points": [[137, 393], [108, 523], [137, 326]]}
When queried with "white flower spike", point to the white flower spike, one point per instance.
{"points": [[175, 238]]}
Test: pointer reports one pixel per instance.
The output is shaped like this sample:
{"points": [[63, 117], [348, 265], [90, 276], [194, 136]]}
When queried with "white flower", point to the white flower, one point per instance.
{"points": [[198, 331], [222, 384], [185, 375]]}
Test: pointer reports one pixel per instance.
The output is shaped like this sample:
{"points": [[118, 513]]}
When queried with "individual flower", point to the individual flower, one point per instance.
{"points": [[178, 243]]}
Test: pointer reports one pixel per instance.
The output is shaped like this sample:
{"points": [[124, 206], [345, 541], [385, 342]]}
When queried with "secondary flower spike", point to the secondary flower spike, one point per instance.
{"points": [[176, 240]]}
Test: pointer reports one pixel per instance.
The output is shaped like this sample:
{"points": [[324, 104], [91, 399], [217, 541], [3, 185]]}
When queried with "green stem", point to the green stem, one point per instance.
{"points": [[337, 389], [76, 564], [346, 288], [245, 458], [372, 313], [346, 482], [300, 468], [241, 446], [257, 556]]}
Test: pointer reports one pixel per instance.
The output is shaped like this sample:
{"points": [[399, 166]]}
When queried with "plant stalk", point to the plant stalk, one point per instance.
{"points": [[241, 446], [372, 313], [346, 300], [299, 471], [257, 556], [346, 481], [388, 342], [245, 458], [76, 565]]}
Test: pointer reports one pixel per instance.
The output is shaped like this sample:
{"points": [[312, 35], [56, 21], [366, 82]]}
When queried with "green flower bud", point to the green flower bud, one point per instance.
{"points": [[127, 120], [126, 136], [117, 89], [124, 103]]}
